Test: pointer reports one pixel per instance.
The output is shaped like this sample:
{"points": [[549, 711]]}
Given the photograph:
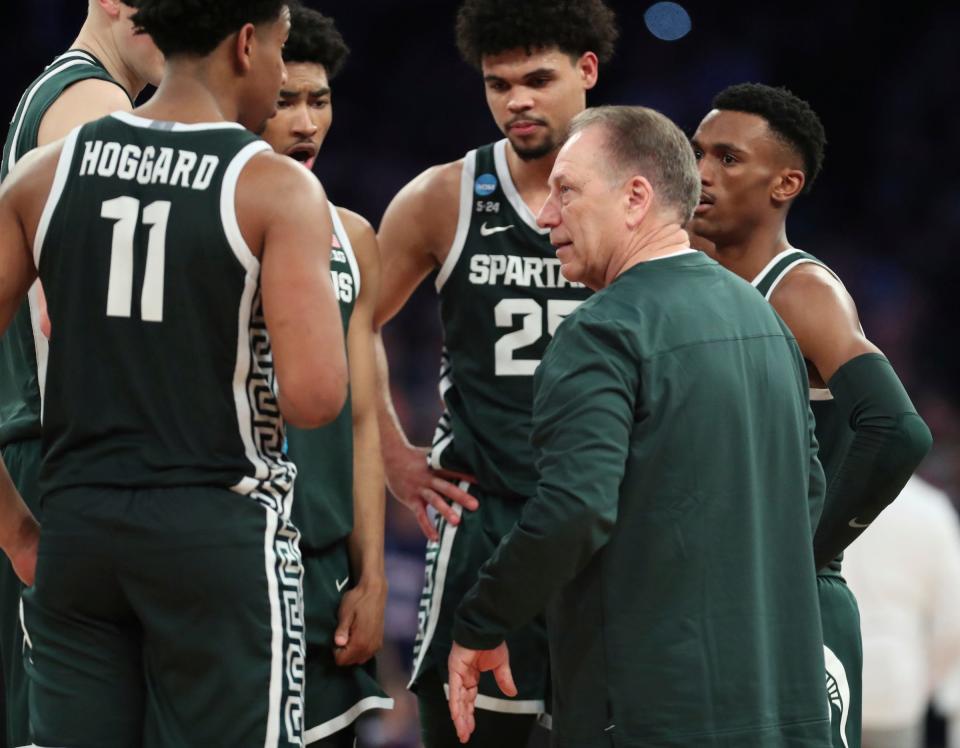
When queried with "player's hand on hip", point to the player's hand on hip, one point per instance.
{"points": [[416, 486], [22, 552], [464, 666], [359, 633]]}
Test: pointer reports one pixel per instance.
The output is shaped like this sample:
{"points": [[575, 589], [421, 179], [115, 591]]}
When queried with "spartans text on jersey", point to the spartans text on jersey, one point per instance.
{"points": [[516, 270]]}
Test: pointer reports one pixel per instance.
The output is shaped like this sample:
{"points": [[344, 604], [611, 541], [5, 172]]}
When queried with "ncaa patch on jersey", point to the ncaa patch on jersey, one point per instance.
{"points": [[485, 185]]}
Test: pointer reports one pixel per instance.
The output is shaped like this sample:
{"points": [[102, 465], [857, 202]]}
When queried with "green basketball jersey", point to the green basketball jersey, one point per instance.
{"points": [[502, 297], [323, 509], [22, 346], [833, 431], [160, 370]]}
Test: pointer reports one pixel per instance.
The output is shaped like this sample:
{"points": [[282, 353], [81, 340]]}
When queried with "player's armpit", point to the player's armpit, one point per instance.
{"points": [[890, 439]]}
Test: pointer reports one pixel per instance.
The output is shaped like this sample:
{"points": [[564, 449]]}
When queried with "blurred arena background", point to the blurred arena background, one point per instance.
{"points": [[885, 213]]}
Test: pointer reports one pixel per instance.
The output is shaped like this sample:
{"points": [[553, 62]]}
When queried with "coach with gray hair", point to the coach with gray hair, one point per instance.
{"points": [[669, 540]]}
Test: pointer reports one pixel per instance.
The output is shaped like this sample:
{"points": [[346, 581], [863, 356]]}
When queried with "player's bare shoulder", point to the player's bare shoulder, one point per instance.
{"points": [[424, 214], [811, 292], [358, 228], [822, 317], [271, 187], [28, 185], [84, 101]]}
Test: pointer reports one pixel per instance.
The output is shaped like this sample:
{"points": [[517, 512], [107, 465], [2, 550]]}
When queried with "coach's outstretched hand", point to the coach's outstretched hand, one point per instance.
{"points": [[416, 486], [465, 666]]}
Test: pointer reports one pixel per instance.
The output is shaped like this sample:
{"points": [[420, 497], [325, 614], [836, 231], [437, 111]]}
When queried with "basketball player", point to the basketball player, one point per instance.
{"points": [[105, 69], [501, 299], [339, 507], [759, 149], [192, 313]]}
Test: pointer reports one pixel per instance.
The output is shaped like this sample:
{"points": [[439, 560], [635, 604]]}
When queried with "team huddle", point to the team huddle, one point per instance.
{"points": [[662, 423]]}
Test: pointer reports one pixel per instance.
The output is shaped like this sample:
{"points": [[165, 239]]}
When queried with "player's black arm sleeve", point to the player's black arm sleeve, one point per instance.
{"points": [[890, 440], [585, 391]]}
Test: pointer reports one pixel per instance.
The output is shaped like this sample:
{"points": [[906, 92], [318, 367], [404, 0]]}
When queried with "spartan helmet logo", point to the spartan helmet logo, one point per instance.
{"points": [[838, 691]]}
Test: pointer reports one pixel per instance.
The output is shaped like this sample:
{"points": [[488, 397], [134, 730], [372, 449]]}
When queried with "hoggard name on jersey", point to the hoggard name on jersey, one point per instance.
{"points": [[516, 270], [168, 166]]}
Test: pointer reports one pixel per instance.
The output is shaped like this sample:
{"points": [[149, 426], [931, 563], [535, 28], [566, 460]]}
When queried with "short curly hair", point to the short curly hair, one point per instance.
{"points": [[314, 38], [790, 118], [488, 27], [196, 27]]}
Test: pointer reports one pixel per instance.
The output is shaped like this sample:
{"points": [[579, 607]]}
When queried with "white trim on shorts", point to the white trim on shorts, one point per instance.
{"points": [[275, 697], [439, 580], [335, 725], [841, 699], [505, 706]]}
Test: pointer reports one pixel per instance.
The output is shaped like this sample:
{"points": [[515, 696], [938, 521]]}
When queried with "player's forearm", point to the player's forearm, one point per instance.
{"points": [[890, 439], [393, 439], [365, 543]]}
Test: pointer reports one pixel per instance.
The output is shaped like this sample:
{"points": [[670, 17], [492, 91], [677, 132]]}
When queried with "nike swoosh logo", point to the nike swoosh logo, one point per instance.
{"points": [[341, 585], [856, 525], [491, 230]]}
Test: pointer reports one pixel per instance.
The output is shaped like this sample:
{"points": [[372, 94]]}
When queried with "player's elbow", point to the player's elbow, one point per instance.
{"points": [[312, 402], [913, 441]]}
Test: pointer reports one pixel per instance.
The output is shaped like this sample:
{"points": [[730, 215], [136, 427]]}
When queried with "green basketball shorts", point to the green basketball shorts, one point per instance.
{"points": [[843, 653], [452, 567], [23, 463], [336, 696], [165, 617]]}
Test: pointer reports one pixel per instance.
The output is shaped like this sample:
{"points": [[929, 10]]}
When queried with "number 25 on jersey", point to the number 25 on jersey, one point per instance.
{"points": [[532, 313]]}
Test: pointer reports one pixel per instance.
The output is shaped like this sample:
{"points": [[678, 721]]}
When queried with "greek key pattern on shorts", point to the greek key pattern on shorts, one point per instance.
{"points": [[274, 490], [290, 576], [426, 597], [443, 435]]}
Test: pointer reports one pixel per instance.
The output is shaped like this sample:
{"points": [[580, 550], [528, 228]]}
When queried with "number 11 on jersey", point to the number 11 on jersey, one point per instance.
{"points": [[125, 211]]}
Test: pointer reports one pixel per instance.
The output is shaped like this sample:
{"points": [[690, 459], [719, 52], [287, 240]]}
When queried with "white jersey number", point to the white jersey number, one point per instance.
{"points": [[532, 313], [125, 211]]}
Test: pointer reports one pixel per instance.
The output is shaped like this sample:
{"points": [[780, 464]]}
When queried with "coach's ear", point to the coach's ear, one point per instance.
{"points": [[244, 47]]}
